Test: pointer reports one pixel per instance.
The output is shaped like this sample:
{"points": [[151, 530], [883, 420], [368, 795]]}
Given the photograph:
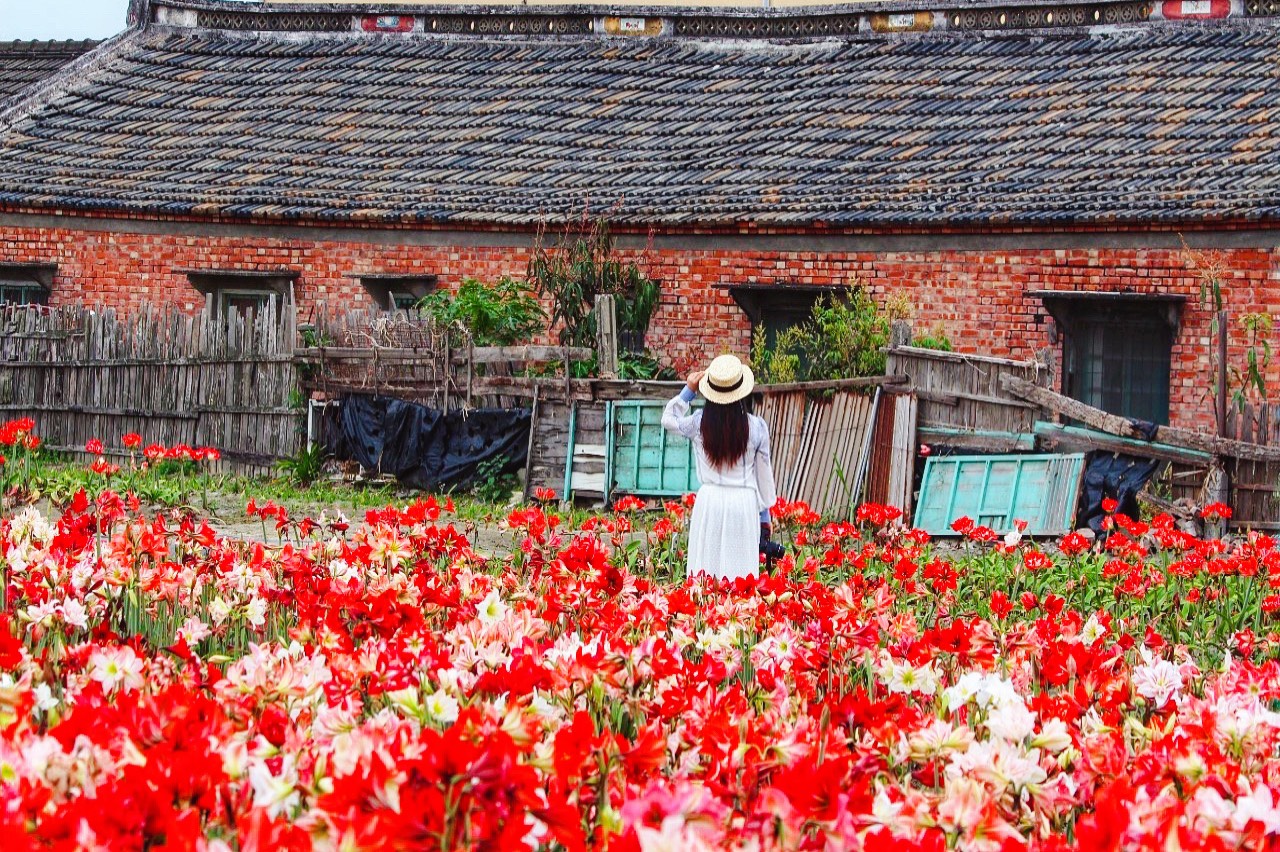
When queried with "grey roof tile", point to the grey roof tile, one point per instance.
{"points": [[1153, 123], [25, 63]]}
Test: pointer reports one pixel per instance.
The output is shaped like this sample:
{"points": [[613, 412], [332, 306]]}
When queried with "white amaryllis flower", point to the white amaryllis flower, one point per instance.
{"points": [[277, 793], [256, 611], [441, 707], [1259, 805], [985, 690], [1011, 721], [1053, 737], [116, 668], [1093, 630], [1158, 681], [74, 614], [45, 699], [492, 609], [939, 738], [219, 609], [908, 679]]}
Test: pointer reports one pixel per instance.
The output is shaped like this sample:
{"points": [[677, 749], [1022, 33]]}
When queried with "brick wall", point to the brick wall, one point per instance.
{"points": [[979, 297]]}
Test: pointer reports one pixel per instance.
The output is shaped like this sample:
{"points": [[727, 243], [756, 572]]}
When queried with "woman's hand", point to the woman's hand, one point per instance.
{"points": [[695, 379]]}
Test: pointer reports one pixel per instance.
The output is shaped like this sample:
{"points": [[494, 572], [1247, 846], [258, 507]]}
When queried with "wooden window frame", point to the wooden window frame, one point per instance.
{"points": [[220, 285], [33, 281], [1109, 315]]}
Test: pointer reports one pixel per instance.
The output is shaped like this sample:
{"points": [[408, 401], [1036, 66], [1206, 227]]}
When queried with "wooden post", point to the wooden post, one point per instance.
{"points": [[899, 334], [606, 337], [533, 431], [1222, 374], [471, 368]]}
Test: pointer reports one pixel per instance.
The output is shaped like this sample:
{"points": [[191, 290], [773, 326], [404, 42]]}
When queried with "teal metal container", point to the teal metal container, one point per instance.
{"points": [[997, 490]]}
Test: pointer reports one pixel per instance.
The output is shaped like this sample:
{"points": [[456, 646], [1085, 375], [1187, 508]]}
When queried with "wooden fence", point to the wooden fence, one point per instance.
{"points": [[820, 444], [961, 401], [225, 382], [408, 356], [1255, 499]]}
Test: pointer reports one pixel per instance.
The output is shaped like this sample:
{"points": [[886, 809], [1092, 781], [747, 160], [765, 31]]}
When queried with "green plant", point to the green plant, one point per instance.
{"points": [[499, 314], [306, 465], [492, 483], [312, 337], [581, 266], [842, 338], [1252, 379], [935, 339], [1210, 267], [644, 366]]}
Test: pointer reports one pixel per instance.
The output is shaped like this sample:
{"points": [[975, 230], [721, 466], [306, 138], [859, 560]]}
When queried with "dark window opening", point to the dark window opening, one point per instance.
{"points": [[1117, 350], [245, 302], [244, 294], [398, 292], [26, 283], [774, 308]]}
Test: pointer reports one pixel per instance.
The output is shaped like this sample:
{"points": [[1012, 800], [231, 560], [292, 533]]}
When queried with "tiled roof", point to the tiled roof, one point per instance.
{"points": [[23, 63], [1162, 122]]}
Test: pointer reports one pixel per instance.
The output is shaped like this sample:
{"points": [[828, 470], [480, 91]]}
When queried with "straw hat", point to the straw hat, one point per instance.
{"points": [[727, 380]]}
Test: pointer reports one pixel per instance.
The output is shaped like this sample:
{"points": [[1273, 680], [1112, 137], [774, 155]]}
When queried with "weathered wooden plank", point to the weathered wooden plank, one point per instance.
{"points": [[833, 384], [1125, 428], [1057, 437], [976, 439]]}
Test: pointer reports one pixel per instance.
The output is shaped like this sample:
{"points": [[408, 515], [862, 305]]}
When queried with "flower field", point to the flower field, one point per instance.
{"points": [[378, 684]]}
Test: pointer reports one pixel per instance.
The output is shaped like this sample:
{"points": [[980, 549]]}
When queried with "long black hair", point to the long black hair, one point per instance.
{"points": [[725, 432]]}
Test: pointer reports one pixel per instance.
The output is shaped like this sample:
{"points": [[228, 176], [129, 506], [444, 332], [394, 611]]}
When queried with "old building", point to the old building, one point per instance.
{"points": [[1025, 174]]}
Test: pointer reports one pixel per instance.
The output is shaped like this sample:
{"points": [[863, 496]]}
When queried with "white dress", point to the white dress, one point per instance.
{"points": [[724, 530]]}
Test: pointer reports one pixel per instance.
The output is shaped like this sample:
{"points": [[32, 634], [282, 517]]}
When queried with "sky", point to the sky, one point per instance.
{"points": [[59, 19]]}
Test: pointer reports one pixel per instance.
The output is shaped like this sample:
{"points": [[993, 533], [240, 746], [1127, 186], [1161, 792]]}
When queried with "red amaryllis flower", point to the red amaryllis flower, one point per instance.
{"points": [[1073, 544], [132, 440], [628, 504], [1216, 511], [93, 446], [1034, 560]]}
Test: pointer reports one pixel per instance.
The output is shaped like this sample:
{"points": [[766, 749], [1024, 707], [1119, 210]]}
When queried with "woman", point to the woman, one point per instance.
{"points": [[732, 449]]}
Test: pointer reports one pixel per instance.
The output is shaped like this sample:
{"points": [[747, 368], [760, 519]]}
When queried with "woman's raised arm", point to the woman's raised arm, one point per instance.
{"points": [[764, 474], [675, 417]]}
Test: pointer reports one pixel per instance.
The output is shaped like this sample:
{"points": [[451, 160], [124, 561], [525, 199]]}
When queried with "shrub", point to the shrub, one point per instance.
{"points": [[935, 339], [842, 338], [500, 314], [583, 265]]}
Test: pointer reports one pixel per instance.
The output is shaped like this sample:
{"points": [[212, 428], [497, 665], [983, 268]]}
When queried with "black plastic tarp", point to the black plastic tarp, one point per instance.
{"points": [[1117, 476], [422, 447]]}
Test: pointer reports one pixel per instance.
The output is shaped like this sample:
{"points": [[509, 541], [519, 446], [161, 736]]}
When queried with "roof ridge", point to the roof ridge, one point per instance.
{"points": [[38, 95], [66, 45]]}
